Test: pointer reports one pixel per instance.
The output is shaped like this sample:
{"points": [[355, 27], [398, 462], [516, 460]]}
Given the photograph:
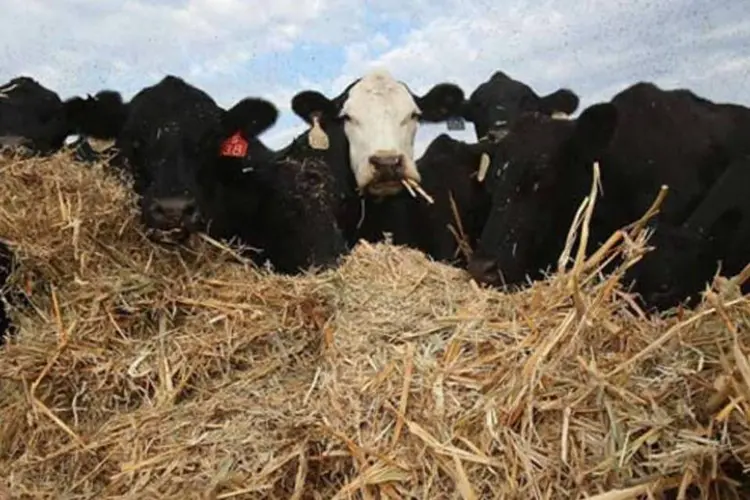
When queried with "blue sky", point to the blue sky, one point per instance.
{"points": [[274, 48]]}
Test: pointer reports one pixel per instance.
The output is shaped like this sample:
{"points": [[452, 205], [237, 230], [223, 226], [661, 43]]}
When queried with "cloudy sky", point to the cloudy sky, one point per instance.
{"points": [[274, 48]]}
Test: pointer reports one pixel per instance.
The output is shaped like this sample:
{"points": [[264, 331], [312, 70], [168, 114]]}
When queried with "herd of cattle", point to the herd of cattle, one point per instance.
{"points": [[500, 207]]}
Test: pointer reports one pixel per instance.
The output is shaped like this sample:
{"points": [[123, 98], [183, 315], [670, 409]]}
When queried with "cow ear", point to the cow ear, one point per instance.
{"points": [[310, 103], [594, 128], [562, 101], [443, 101], [250, 117], [313, 107]]}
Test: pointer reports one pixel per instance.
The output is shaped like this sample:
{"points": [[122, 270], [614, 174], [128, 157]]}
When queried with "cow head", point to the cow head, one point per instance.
{"points": [[540, 171], [33, 116], [446, 152], [101, 116], [684, 258], [172, 134], [378, 117], [497, 102]]}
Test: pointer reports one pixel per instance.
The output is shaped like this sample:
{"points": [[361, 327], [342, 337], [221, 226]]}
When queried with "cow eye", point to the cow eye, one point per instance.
{"points": [[416, 115], [345, 117]]}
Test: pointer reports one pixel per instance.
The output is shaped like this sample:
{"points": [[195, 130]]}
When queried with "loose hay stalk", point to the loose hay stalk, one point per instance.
{"points": [[148, 372]]}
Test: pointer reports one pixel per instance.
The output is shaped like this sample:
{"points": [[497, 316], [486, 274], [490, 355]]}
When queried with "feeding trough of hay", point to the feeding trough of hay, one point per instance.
{"points": [[142, 371]]}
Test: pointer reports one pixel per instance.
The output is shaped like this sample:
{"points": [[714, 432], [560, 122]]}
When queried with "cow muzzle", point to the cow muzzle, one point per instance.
{"points": [[485, 271], [172, 219], [389, 172]]}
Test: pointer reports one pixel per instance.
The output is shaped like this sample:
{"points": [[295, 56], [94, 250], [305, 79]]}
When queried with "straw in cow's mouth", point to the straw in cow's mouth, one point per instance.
{"points": [[415, 189]]}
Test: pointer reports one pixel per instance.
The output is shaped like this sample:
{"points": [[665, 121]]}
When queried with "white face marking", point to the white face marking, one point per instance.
{"points": [[559, 115], [383, 120]]}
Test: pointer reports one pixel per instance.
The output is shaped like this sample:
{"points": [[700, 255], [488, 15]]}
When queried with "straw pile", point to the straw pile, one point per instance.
{"points": [[149, 372]]}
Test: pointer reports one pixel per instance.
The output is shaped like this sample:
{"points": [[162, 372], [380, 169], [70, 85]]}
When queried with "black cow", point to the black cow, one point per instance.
{"points": [[36, 118], [497, 102], [686, 256], [644, 138], [366, 135], [198, 167]]}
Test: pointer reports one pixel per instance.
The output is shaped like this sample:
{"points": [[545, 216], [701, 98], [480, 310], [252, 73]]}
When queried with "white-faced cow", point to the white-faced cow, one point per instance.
{"points": [[198, 167], [644, 138], [366, 135], [371, 127]]}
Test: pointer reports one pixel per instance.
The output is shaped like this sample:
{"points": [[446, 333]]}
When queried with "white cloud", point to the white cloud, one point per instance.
{"points": [[596, 47]]}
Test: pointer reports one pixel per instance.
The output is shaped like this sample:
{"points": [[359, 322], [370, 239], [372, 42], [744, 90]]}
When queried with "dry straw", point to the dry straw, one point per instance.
{"points": [[148, 372]]}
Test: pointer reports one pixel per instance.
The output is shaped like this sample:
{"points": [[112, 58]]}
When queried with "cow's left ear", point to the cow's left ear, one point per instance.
{"points": [[443, 101], [561, 101], [595, 128], [250, 117]]}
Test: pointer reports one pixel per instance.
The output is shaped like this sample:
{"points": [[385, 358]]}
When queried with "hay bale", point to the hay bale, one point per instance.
{"points": [[162, 373]]}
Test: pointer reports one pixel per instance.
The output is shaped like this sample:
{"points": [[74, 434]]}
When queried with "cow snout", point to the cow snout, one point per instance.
{"points": [[173, 212], [388, 167], [484, 270]]}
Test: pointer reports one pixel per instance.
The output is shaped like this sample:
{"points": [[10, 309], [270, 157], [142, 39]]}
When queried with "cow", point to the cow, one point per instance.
{"points": [[686, 256], [371, 127], [35, 117], [645, 137], [498, 101], [366, 135], [199, 168]]}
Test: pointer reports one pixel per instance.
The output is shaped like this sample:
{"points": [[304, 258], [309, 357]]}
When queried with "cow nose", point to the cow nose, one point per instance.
{"points": [[174, 211], [392, 163], [483, 270]]}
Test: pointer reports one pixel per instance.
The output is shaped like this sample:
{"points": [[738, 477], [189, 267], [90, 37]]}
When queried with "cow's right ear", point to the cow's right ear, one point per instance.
{"points": [[313, 107], [251, 117], [561, 101]]}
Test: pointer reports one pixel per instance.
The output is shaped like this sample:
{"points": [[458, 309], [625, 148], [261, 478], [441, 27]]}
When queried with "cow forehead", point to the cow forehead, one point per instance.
{"points": [[382, 93]]}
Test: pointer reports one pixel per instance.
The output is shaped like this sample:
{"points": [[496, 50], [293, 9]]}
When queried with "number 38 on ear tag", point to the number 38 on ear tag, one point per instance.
{"points": [[455, 123], [235, 147]]}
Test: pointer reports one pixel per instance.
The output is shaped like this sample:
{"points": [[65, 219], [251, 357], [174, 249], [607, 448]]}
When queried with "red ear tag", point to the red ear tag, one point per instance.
{"points": [[235, 146]]}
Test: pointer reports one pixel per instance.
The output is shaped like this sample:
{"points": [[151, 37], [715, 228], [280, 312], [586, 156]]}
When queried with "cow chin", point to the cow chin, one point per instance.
{"points": [[385, 188]]}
